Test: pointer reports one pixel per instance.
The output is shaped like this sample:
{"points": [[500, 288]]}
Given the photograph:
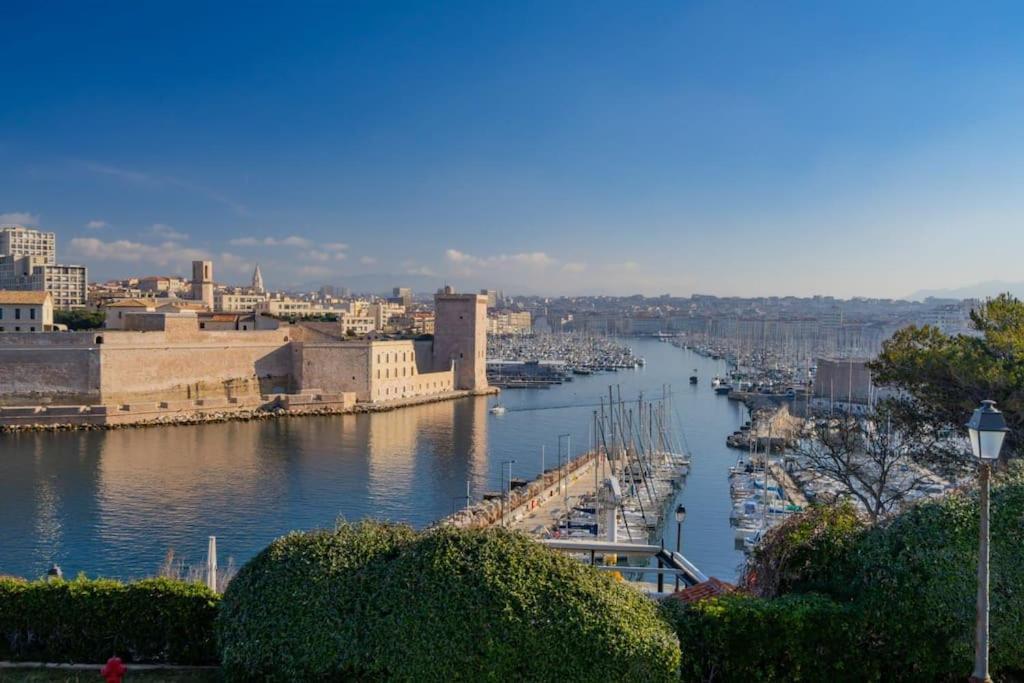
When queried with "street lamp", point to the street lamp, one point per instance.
{"points": [[986, 430], [680, 516], [508, 492]]}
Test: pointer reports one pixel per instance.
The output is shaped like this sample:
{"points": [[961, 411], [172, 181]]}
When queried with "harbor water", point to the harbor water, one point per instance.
{"points": [[112, 503]]}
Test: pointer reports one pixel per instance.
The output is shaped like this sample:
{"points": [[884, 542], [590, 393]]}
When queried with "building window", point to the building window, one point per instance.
{"points": [[32, 315], [17, 314]]}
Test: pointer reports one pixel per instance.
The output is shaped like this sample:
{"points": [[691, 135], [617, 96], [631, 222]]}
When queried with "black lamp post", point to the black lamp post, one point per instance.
{"points": [[986, 430], [680, 516]]}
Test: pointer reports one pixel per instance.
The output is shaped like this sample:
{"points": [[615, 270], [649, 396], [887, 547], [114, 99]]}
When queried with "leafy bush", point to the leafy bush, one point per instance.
{"points": [[914, 582], [740, 637], [804, 549], [493, 604], [89, 620], [297, 611], [377, 601]]}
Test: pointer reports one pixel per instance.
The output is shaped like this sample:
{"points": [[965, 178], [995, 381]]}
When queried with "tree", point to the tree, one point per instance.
{"points": [[875, 459], [947, 376], [79, 319]]}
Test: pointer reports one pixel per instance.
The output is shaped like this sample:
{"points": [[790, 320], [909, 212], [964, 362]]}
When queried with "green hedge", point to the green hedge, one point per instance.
{"points": [[913, 582], [297, 610], [375, 601], [794, 638], [89, 620]]}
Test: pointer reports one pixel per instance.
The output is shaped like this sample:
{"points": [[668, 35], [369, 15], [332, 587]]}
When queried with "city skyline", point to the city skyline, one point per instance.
{"points": [[541, 150]]}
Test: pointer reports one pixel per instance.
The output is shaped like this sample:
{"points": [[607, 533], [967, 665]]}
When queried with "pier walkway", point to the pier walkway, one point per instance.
{"points": [[551, 505]]}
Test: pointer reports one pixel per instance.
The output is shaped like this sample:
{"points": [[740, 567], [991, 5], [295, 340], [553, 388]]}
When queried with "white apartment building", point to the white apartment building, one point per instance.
{"points": [[26, 311], [18, 241], [28, 263]]}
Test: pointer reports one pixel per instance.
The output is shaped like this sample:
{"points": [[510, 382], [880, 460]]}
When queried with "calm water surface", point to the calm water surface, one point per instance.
{"points": [[112, 503]]}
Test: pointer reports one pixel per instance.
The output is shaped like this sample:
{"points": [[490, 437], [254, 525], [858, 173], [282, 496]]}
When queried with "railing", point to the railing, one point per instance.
{"points": [[670, 564]]}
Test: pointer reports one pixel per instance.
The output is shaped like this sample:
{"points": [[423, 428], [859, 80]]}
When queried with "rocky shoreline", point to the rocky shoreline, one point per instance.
{"points": [[190, 418]]}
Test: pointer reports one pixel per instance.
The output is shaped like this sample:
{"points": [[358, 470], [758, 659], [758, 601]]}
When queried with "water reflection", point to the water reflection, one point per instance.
{"points": [[113, 503]]}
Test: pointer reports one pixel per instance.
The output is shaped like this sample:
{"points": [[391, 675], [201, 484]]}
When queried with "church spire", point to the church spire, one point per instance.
{"points": [[257, 280]]}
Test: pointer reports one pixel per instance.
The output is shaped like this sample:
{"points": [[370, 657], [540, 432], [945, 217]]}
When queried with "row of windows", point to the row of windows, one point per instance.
{"points": [[17, 314], [17, 329], [392, 357]]}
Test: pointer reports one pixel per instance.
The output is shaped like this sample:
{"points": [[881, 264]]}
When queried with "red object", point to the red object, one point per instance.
{"points": [[706, 589], [114, 670]]}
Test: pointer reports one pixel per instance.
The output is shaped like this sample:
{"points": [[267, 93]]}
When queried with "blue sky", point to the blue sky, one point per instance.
{"points": [[556, 147]]}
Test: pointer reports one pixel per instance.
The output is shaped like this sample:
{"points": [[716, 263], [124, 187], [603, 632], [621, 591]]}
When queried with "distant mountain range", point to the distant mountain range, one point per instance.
{"points": [[980, 290]]}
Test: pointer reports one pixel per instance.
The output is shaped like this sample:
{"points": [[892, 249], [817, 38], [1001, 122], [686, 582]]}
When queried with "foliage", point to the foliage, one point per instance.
{"points": [[795, 638], [496, 605], [89, 620], [913, 581], [948, 376], [297, 611], [79, 319], [872, 458], [374, 601], [805, 548]]}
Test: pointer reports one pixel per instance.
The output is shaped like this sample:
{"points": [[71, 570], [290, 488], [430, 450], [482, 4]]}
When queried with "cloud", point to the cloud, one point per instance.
{"points": [[233, 263], [574, 267], [167, 232], [533, 259], [367, 260], [97, 225], [167, 254], [335, 246], [420, 270], [290, 241], [19, 218]]}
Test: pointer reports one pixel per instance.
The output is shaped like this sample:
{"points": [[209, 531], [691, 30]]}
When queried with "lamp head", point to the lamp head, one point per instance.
{"points": [[986, 430], [680, 513]]}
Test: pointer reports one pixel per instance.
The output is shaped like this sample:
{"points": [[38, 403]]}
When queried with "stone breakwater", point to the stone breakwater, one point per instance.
{"points": [[488, 512], [276, 408]]}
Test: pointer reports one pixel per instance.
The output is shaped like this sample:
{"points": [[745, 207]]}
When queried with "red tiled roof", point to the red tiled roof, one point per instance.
{"points": [[703, 590]]}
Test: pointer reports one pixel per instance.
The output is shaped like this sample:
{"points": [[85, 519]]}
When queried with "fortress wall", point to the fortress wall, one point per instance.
{"points": [[334, 368], [214, 365], [34, 374]]}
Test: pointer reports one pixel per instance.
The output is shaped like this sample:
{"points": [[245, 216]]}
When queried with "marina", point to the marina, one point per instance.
{"points": [[113, 503], [541, 360]]}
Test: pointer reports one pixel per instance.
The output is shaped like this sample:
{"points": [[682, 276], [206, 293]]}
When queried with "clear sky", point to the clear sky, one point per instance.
{"points": [[856, 148]]}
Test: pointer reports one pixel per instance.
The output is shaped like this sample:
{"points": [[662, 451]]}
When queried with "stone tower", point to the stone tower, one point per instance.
{"points": [[202, 282], [257, 281], [460, 335]]}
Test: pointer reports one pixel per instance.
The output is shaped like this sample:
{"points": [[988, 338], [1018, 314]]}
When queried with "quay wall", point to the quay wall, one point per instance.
{"points": [[488, 513]]}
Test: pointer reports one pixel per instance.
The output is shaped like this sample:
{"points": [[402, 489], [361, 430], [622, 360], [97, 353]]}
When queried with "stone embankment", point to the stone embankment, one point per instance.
{"points": [[93, 419], [522, 499]]}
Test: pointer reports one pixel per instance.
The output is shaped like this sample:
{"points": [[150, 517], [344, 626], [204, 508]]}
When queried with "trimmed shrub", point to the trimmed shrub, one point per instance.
{"points": [[497, 605], [298, 610], [374, 601], [740, 637], [89, 620]]}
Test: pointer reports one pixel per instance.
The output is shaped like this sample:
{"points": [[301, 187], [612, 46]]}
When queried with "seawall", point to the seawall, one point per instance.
{"points": [[201, 411]]}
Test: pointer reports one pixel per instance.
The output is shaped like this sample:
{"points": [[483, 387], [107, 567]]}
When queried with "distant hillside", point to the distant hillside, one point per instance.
{"points": [[980, 290]]}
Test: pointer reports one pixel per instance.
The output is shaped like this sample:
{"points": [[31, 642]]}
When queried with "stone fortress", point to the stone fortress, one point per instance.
{"points": [[165, 364]]}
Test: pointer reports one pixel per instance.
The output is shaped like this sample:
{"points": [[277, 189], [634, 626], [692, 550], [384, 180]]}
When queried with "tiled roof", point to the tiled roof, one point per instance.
{"points": [[23, 297], [703, 590], [132, 303]]}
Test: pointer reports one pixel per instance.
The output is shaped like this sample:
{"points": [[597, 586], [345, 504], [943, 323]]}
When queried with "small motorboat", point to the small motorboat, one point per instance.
{"points": [[693, 379], [498, 409]]}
